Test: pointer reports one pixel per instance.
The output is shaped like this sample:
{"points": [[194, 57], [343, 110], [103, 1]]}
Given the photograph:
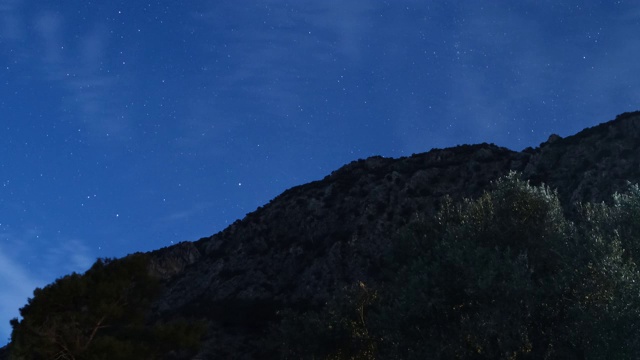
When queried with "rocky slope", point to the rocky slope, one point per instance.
{"points": [[302, 246], [315, 238]]}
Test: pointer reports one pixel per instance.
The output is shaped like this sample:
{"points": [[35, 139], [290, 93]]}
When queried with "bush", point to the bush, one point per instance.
{"points": [[507, 276], [98, 315], [338, 331]]}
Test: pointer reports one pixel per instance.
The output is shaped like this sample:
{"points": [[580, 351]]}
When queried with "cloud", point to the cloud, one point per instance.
{"points": [[77, 59], [349, 22], [182, 216], [18, 275], [270, 51], [17, 285], [12, 25], [570, 72], [48, 26], [497, 76], [68, 256]]}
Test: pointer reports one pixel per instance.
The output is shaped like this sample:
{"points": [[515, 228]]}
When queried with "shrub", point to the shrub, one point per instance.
{"points": [[337, 331], [98, 315], [507, 276]]}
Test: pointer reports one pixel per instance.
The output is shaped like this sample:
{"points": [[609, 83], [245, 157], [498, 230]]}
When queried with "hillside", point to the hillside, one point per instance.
{"points": [[304, 246]]}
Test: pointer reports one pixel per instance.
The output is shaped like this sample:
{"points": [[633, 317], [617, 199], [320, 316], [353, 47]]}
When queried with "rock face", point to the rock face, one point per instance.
{"points": [[313, 239], [592, 164]]}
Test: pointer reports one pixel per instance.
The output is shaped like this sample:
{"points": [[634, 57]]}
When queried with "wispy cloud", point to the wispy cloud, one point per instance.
{"points": [[75, 58], [78, 62], [48, 26], [12, 25], [272, 49], [68, 256], [17, 285], [498, 86], [349, 22], [185, 214], [19, 275]]}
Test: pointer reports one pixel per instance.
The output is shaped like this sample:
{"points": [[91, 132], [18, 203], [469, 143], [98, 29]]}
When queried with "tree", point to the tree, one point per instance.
{"points": [[507, 276], [504, 276], [337, 331], [608, 283], [100, 314]]}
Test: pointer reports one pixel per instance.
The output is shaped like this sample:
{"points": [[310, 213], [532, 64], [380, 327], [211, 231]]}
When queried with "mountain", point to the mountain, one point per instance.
{"points": [[305, 245]]}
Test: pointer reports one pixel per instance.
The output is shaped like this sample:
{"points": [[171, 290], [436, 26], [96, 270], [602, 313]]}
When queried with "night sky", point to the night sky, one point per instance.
{"points": [[130, 126]]}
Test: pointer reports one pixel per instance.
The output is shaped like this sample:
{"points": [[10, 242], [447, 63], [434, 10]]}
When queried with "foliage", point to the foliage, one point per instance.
{"points": [[98, 315], [339, 331], [476, 274], [608, 294], [504, 276]]}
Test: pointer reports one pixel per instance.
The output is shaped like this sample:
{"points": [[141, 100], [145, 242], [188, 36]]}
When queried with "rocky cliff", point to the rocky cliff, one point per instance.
{"points": [[313, 239]]}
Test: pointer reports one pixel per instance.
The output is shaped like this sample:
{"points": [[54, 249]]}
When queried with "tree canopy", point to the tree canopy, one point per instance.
{"points": [[101, 314], [503, 276]]}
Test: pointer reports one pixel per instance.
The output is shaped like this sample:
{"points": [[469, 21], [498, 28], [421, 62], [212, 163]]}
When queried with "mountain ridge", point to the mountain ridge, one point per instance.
{"points": [[324, 242], [310, 241]]}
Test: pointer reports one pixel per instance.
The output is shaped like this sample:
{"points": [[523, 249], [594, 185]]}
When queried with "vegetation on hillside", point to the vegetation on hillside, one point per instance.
{"points": [[504, 276], [101, 314]]}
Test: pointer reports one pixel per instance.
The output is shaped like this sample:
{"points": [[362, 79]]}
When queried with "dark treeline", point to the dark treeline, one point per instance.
{"points": [[504, 276]]}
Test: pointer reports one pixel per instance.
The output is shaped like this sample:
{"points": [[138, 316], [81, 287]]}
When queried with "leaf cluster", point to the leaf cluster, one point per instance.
{"points": [[101, 314], [504, 276]]}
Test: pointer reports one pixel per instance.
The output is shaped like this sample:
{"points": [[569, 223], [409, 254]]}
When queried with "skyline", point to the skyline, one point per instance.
{"points": [[130, 126]]}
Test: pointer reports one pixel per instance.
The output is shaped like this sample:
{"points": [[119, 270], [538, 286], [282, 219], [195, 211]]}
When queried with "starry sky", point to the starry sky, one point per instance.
{"points": [[132, 125]]}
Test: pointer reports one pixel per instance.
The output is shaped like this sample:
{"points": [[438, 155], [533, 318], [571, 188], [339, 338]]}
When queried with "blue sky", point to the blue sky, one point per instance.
{"points": [[129, 126]]}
